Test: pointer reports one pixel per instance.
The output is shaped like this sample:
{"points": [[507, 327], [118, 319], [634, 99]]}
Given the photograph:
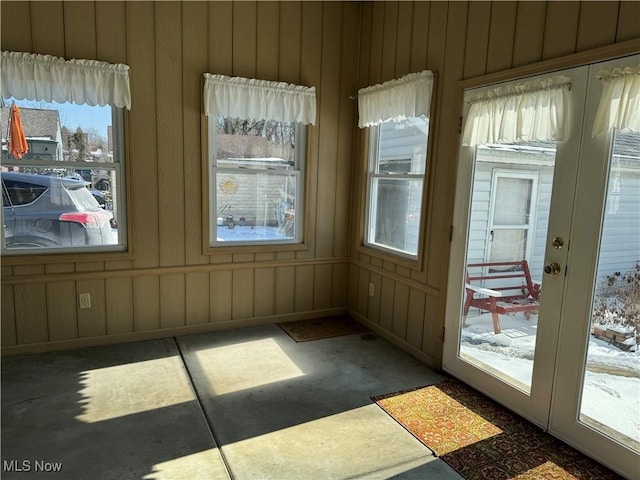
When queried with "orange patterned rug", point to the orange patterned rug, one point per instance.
{"points": [[483, 440], [318, 328]]}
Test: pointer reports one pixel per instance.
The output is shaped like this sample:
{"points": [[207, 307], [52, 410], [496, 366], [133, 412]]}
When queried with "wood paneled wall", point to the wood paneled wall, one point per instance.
{"points": [[167, 285], [456, 40]]}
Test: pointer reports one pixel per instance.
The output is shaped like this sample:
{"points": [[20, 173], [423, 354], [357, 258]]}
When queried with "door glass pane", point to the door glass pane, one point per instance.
{"points": [[611, 386], [508, 223]]}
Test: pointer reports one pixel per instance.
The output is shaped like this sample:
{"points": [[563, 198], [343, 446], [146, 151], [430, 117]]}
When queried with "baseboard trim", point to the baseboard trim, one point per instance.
{"points": [[75, 343]]}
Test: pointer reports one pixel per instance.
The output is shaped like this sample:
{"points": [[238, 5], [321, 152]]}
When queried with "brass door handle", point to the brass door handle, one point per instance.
{"points": [[553, 268]]}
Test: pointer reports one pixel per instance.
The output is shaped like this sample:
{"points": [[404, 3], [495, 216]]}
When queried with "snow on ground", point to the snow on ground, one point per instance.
{"points": [[250, 233], [611, 393]]}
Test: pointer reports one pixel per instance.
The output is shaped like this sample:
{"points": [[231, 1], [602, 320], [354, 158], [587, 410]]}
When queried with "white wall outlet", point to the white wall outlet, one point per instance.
{"points": [[85, 300], [372, 289]]}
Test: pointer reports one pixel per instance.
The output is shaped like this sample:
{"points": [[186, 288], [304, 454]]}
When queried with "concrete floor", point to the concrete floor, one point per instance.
{"points": [[241, 404]]}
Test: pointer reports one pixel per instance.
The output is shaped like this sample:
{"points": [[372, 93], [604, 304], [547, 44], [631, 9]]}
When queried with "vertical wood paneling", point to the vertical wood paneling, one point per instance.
{"points": [[285, 289], [439, 149], [194, 64], [628, 21], [146, 303], [7, 317], [479, 20], [79, 25], [378, 25], [329, 107], [172, 301], [242, 294], [501, 36], [47, 28], [530, 20], [415, 318], [347, 122], [597, 24], [268, 17], [244, 39], [220, 37], [448, 140], [431, 338], [119, 301], [373, 308], [400, 310], [197, 296], [390, 38], [92, 322], [340, 285], [31, 313], [437, 36], [322, 287], [561, 28], [264, 292], [171, 189], [111, 32], [405, 34], [366, 25], [387, 294], [303, 301], [420, 36], [363, 292], [143, 150], [289, 44], [311, 74], [16, 27], [61, 311], [352, 300], [221, 285]]}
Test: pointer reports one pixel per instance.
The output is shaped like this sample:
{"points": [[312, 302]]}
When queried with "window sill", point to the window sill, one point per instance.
{"points": [[387, 256]]}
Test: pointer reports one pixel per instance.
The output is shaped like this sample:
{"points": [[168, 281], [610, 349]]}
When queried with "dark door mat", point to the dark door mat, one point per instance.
{"points": [[318, 328]]}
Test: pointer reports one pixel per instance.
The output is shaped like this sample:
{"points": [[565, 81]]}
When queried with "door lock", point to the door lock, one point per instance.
{"points": [[553, 268], [558, 243]]}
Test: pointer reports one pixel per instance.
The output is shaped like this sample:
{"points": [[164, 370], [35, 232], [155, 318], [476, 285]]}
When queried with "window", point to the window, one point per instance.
{"points": [[257, 147], [257, 177], [62, 164], [398, 160], [397, 115]]}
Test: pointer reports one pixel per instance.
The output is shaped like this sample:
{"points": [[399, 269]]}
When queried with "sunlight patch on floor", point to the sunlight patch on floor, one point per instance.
{"points": [[133, 388], [233, 368]]}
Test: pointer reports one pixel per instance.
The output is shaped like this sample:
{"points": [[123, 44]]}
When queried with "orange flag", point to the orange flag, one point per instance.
{"points": [[17, 141]]}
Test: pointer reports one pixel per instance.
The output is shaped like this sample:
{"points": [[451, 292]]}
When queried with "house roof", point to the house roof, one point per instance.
{"points": [[37, 123]]}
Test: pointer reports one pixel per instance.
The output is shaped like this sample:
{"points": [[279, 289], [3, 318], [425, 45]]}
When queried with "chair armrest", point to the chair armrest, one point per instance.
{"points": [[483, 291]]}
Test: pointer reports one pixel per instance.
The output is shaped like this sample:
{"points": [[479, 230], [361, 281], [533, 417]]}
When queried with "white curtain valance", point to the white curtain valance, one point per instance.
{"points": [[238, 97], [526, 111], [395, 100], [619, 105], [44, 77]]}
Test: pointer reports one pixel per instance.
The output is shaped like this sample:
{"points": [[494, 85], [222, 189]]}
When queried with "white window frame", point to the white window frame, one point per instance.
{"points": [[120, 216], [298, 172], [373, 173]]}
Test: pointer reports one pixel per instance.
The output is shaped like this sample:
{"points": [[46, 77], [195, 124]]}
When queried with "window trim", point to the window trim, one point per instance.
{"points": [[119, 251], [370, 144], [386, 255]]}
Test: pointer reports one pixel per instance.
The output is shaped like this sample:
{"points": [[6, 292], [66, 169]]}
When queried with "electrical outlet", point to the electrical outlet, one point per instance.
{"points": [[85, 300], [372, 289]]}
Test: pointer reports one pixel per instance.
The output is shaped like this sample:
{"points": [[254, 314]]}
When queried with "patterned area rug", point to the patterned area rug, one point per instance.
{"points": [[317, 328], [483, 440]]}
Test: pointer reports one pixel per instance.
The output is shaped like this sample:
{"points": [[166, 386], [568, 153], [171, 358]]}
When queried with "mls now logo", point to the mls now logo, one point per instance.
{"points": [[28, 466]]}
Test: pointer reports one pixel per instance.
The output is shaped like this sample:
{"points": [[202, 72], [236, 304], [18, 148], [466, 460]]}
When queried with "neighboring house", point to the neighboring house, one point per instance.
{"points": [[42, 130], [516, 183]]}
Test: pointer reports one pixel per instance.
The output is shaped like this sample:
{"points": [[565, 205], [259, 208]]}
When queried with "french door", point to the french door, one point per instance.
{"points": [[567, 365]]}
